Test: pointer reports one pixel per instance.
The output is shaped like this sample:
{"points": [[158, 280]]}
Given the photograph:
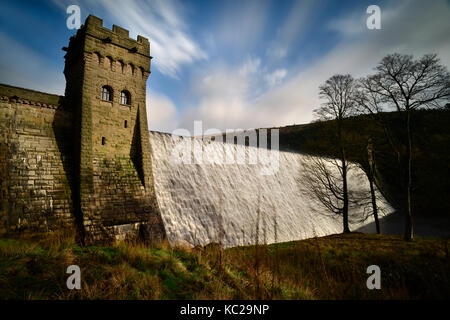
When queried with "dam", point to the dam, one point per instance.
{"points": [[85, 162], [237, 204]]}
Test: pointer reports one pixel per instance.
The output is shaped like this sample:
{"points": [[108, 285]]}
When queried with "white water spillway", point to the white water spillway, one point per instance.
{"points": [[238, 204]]}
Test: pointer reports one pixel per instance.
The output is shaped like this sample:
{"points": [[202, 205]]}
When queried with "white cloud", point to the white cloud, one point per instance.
{"points": [[275, 77], [163, 24], [250, 66], [293, 28], [223, 95], [350, 25], [408, 27], [226, 100], [161, 21], [162, 114], [231, 95]]}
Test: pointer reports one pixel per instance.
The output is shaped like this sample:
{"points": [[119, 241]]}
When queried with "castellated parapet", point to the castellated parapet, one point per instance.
{"points": [[82, 160]]}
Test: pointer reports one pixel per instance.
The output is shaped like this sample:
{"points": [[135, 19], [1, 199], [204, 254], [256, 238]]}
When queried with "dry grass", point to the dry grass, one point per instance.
{"points": [[331, 267]]}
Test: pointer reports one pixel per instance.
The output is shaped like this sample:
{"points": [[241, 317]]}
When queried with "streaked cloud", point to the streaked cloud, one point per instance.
{"points": [[243, 64], [293, 28], [410, 27], [250, 66], [162, 21], [275, 77]]}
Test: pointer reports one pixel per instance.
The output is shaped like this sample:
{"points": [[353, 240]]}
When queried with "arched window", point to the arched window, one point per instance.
{"points": [[106, 93], [125, 98]]}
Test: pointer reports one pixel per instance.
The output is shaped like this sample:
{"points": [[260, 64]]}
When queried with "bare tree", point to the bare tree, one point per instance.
{"points": [[322, 182], [339, 104], [404, 84], [368, 101]]}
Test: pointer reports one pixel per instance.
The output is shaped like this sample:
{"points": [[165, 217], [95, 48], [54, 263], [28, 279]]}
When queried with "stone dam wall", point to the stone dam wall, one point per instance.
{"points": [[35, 161], [38, 179], [234, 204]]}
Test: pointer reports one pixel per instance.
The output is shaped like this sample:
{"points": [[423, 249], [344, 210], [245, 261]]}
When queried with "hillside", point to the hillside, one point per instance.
{"points": [[332, 267], [431, 159]]}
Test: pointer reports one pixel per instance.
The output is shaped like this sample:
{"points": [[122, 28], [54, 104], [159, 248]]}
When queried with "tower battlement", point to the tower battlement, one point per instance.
{"points": [[115, 44], [119, 35]]}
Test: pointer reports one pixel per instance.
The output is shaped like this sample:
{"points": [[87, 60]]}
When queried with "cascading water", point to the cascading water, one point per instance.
{"points": [[236, 204]]}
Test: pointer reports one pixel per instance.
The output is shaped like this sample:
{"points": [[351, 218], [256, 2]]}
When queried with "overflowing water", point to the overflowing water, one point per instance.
{"points": [[239, 203]]}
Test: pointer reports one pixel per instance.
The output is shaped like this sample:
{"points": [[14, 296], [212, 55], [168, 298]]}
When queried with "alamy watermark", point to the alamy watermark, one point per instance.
{"points": [[207, 147], [374, 281], [74, 19], [374, 20], [74, 280]]}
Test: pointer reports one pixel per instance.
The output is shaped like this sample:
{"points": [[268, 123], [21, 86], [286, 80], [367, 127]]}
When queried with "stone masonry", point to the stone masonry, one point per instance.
{"points": [[82, 161]]}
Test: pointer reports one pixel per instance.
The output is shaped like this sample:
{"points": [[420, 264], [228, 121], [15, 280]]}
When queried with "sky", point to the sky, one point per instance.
{"points": [[231, 64]]}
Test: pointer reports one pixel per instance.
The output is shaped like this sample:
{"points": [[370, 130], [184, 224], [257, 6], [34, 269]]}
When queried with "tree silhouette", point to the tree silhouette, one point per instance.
{"points": [[338, 93], [403, 84]]}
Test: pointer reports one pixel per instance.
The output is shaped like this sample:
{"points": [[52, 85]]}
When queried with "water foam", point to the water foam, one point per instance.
{"points": [[235, 204]]}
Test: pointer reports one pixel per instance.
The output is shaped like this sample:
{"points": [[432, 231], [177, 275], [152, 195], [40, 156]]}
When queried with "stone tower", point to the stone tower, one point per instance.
{"points": [[106, 74]]}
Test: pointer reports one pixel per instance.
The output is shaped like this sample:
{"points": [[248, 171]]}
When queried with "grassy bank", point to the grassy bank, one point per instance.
{"points": [[332, 267]]}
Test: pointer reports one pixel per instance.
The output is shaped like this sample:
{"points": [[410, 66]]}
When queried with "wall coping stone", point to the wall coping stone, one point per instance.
{"points": [[14, 94]]}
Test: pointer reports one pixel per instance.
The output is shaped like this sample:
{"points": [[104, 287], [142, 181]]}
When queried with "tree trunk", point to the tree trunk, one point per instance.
{"points": [[409, 235], [370, 177], [374, 205], [345, 207], [344, 179]]}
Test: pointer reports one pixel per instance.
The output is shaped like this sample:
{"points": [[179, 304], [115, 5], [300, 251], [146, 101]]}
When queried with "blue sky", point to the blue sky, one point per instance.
{"points": [[231, 64]]}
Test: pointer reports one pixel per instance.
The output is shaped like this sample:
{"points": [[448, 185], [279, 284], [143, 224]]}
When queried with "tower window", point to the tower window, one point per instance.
{"points": [[103, 141], [125, 98], [126, 124], [106, 93]]}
